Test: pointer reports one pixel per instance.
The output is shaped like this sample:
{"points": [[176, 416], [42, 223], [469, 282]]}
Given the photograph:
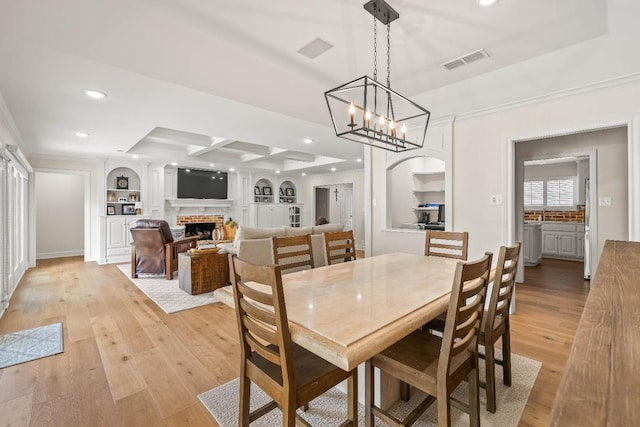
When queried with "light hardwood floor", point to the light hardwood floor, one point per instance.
{"points": [[127, 363]]}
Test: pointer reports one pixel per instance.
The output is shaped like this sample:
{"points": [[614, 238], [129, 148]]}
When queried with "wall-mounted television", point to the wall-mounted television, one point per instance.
{"points": [[201, 184]]}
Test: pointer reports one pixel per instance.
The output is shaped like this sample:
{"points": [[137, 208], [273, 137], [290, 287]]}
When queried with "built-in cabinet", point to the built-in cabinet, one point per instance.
{"points": [[563, 240], [531, 245], [274, 206], [428, 191]]}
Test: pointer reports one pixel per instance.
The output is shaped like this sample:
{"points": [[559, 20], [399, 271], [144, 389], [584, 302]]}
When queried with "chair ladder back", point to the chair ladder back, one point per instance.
{"points": [[503, 284], [293, 253], [466, 307], [262, 319], [447, 244], [339, 245]]}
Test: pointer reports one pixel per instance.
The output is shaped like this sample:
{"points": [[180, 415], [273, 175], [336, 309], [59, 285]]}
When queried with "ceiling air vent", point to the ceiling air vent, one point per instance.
{"points": [[315, 48], [466, 59]]}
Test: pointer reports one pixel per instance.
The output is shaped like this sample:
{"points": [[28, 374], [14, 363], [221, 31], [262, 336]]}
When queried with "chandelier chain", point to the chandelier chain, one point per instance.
{"points": [[375, 47], [388, 55]]}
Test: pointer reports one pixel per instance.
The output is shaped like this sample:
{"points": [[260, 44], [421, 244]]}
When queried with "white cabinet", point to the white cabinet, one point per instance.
{"points": [[118, 238], [563, 240], [428, 191], [275, 214], [532, 246]]}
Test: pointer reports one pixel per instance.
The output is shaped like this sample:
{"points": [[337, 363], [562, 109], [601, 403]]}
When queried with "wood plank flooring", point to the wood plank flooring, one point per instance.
{"points": [[127, 363]]}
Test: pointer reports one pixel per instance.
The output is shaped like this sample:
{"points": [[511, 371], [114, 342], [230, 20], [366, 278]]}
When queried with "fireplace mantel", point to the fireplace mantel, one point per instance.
{"points": [[202, 204]]}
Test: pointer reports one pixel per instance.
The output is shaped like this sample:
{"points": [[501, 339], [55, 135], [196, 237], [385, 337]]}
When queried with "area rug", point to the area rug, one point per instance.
{"points": [[167, 293], [30, 344], [331, 408]]}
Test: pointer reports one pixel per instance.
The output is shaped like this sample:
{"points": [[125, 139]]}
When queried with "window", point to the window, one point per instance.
{"points": [[552, 193]]}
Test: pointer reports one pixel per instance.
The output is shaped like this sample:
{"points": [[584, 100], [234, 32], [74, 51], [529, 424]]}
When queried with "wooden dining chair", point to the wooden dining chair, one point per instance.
{"points": [[291, 375], [293, 253], [448, 244], [437, 365], [496, 322], [339, 246]]}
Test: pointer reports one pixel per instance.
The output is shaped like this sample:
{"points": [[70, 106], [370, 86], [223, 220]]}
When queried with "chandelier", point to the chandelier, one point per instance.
{"points": [[369, 112]]}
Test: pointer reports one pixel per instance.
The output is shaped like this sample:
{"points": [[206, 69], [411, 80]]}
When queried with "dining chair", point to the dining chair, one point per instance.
{"points": [[293, 253], [291, 375], [339, 246], [437, 365], [448, 244], [496, 323]]}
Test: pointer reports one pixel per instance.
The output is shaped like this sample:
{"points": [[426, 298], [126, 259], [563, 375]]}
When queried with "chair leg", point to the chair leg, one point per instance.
{"points": [[369, 390], [245, 396], [288, 413], [474, 397], [352, 395], [444, 407], [506, 357], [490, 369]]}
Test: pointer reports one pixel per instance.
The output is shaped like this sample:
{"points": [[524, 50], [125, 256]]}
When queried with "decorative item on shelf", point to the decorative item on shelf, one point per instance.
{"points": [[290, 192], [111, 210], [111, 197], [138, 206], [256, 190], [289, 200], [129, 209], [266, 191], [122, 183], [133, 197], [281, 199], [281, 191], [230, 227], [122, 200], [377, 115]]}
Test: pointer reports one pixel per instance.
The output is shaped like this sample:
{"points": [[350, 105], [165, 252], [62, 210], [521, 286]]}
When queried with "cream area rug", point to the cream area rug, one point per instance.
{"points": [[331, 408], [167, 293], [30, 344]]}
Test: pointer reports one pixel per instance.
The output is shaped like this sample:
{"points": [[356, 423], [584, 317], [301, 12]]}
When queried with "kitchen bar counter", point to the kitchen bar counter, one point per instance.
{"points": [[602, 377]]}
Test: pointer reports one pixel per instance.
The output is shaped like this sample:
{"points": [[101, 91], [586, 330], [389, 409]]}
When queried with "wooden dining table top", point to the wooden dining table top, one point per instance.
{"points": [[348, 312]]}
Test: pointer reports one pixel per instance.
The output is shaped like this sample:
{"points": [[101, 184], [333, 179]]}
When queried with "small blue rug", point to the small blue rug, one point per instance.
{"points": [[30, 344]]}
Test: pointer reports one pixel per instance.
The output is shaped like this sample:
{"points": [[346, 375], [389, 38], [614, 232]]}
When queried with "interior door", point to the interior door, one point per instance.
{"points": [[347, 208]]}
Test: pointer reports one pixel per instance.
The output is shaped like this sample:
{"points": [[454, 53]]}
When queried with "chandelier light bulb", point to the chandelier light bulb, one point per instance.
{"points": [[367, 118], [352, 114], [403, 131]]}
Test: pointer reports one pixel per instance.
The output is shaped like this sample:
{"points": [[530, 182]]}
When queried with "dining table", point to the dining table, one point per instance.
{"points": [[348, 312]]}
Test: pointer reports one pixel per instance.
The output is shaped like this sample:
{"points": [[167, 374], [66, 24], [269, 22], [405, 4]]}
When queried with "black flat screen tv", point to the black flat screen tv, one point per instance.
{"points": [[201, 184]]}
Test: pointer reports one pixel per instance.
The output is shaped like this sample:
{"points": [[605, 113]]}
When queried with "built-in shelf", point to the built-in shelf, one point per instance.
{"points": [[426, 209], [435, 190], [223, 204], [427, 173]]}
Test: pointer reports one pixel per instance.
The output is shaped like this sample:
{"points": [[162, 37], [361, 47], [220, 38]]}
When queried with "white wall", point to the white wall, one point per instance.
{"points": [[558, 170], [356, 177], [59, 214]]}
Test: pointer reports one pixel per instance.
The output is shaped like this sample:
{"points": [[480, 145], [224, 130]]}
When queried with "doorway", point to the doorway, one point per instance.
{"points": [[335, 203]]}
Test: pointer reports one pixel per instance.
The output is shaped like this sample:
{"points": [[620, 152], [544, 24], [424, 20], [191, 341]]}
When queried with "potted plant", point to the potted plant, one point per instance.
{"points": [[230, 227]]}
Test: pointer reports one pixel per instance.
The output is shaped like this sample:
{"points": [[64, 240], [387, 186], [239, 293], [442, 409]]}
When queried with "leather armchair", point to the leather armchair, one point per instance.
{"points": [[154, 250]]}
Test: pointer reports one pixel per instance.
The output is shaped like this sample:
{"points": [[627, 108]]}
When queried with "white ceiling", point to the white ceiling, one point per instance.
{"points": [[211, 81]]}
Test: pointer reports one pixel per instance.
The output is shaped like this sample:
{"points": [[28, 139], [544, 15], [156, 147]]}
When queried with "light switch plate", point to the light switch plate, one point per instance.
{"points": [[495, 199], [604, 201]]}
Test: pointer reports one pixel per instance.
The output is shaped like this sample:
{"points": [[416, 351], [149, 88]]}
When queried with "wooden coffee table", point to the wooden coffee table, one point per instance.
{"points": [[202, 272]]}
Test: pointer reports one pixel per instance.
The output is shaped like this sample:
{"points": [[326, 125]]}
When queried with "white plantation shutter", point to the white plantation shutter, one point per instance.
{"points": [[534, 193], [560, 193]]}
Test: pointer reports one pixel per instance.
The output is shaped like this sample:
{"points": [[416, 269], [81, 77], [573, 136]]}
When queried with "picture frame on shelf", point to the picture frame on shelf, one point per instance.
{"points": [[111, 210], [122, 183], [265, 199], [281, 191], [129, 209], [122, 200], [256, 190], [290, 192], [289, 200], [266, 191], [133, 197], [111, 197]]}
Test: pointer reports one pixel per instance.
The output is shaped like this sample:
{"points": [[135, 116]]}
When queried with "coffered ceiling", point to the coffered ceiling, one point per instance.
{"points": [[203, 82]]}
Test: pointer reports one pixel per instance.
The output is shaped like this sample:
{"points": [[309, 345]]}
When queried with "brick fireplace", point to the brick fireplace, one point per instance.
{"points": [[202, 225]]}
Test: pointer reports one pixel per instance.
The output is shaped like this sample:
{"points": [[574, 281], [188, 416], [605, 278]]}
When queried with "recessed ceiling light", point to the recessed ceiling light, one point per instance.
{"points": [[135, 156], [211, 165], [358, 160], [277, 171], [304, 174], [333, 169], [486, 2], [307, 140], [174, 163], [232, 169], [187, 170], [94, 93], [82, 134]]}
